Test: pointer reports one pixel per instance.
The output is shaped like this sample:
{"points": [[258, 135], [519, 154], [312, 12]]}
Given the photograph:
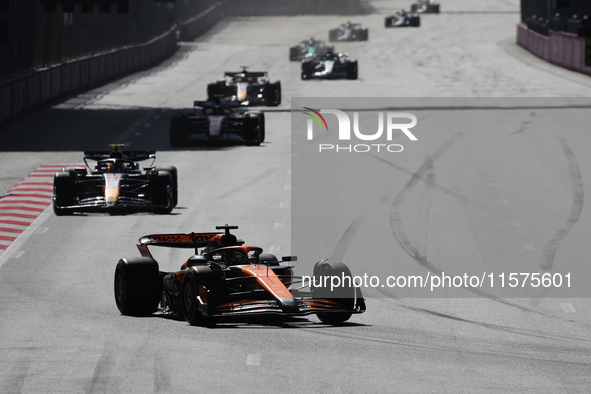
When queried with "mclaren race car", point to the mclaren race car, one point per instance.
{"points": [[403, 19], [309, 47], [115, 183], [247, 88], [216, 121], [228, 279], [348, 32], [425, 7], [329, 66]]}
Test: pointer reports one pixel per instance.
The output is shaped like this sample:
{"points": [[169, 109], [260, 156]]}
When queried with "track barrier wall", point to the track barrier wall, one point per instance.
{"points": [[24, 92], [563, 49]]}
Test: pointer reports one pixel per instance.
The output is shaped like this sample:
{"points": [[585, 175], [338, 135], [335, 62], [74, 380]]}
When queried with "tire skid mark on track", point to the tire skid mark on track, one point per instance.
{"points": [[575, 210], [419, 176], [516, 353], [395, 220], [424, 209], [398, 229], [348, 236]]}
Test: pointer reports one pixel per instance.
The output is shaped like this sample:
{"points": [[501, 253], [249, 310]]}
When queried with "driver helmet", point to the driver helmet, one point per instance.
{"points": [[236, 257]]}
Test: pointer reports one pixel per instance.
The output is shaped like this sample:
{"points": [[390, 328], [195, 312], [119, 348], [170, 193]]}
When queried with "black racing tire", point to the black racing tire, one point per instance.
{"points": [[213, 90], [435, 9], [262, 126], [162, 196], [138, 286], [269, 259], [64, 190], [364, 35], [344, 294], [388, 22], [294, 53], [273, 94], [333, 35], [414, 7], [174, 182], [415, 21], [252, 128], [352, 70], [196, 278], [179, 130]]}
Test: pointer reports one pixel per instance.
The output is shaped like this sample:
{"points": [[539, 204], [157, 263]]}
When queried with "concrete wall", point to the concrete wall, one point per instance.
{"points": [[563, 49], [25, 92]]}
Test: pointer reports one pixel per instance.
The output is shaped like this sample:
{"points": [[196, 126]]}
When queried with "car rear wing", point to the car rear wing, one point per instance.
{"points": [[210, 104], [187, 241], [246, 74], [137, 155]]}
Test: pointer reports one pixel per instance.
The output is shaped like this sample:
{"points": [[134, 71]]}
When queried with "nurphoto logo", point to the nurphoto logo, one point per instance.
{"points": [[344, 131]]}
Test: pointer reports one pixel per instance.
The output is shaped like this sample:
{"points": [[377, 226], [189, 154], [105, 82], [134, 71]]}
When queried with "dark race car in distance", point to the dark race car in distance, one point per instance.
{"points": [[247, 88], [217, 121], [116, 183], [329, 66], [229, 279], [425, 7], [309, 47], [403, 19], [348, 32]]}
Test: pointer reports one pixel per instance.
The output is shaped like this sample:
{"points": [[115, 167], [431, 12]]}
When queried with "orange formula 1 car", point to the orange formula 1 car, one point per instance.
{"points": [[230, 279]]}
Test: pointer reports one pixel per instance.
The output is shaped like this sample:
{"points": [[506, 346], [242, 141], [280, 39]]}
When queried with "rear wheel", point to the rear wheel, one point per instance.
{"points": [[214, 90], [201, 290], [352, 70], [138, 287], [161, 186], [252, 129], [64, 190], [174, 183], [294, 53], [343, 294], [333, 35]]}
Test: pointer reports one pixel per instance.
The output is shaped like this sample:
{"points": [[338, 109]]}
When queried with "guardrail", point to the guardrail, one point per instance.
{"points": [[563, 49]]}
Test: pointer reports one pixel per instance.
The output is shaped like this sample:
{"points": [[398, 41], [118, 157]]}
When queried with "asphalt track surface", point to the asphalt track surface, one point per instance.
{"points": [[60, 328]]}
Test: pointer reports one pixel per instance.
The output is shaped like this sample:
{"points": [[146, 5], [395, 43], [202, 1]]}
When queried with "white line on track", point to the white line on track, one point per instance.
{"points": [[253, 359], [568, 308]]}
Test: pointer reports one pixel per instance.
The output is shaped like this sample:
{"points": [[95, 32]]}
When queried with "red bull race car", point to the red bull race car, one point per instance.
{"points": [[217, 122], [228, 279], [115, 183], [248, 88]]}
